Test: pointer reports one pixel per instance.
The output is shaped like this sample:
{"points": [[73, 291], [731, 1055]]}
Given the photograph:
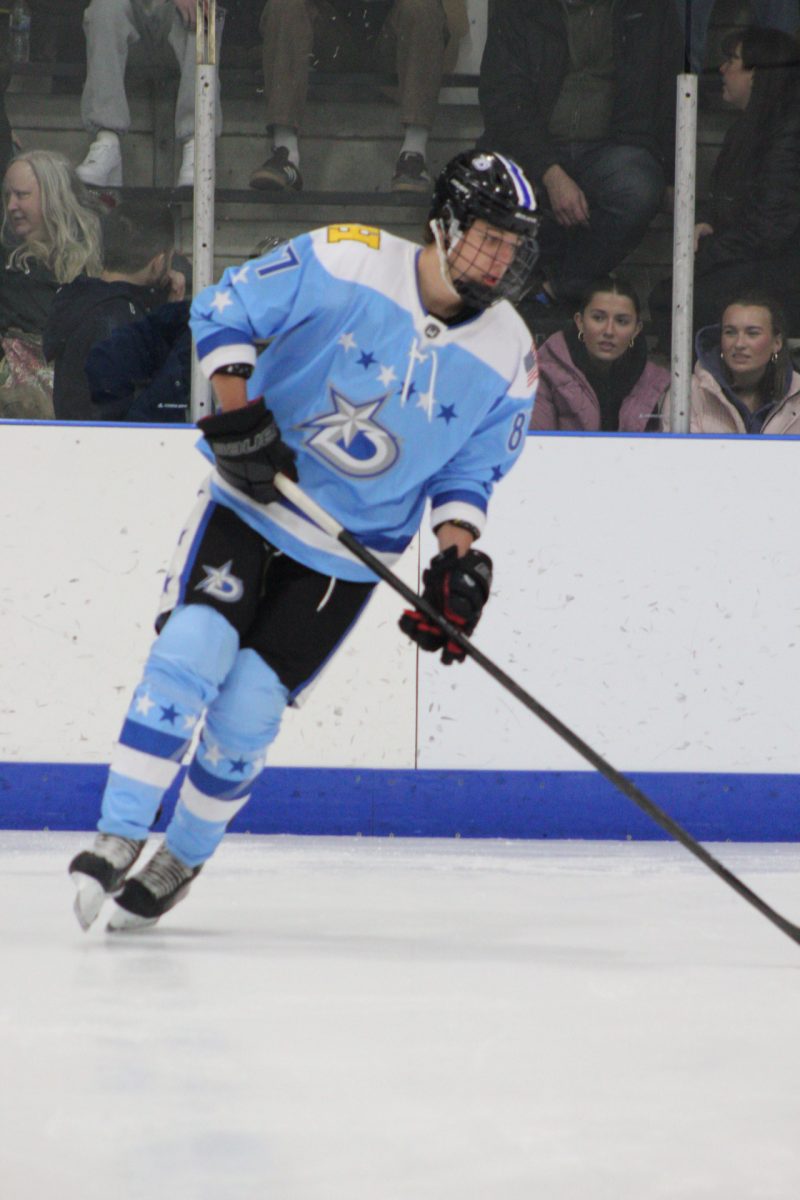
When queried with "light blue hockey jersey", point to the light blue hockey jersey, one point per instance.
{"points": [[385, 405]]}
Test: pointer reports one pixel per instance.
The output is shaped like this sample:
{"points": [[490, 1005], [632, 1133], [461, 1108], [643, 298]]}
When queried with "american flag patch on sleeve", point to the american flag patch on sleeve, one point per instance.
{"points": [[531, 366]]}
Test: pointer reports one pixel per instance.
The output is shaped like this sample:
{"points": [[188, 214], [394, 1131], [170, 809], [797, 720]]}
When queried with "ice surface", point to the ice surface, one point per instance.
{"points": [[353, 1019]]}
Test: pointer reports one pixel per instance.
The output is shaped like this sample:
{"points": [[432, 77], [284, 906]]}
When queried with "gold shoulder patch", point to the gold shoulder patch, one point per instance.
{"points": [[368, 235]]}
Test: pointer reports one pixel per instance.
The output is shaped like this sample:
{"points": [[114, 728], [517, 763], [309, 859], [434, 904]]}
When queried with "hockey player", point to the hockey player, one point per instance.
{"points": [[394, 374]]}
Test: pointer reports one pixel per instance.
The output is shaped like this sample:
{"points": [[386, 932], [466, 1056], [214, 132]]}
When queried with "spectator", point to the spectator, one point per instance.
{"points": [[418, 38], [748, 229], [138, 243], [582, 95], [772, 14], [743, 379], [111, 28], [51, 233], [143, 371], [595, 375]]}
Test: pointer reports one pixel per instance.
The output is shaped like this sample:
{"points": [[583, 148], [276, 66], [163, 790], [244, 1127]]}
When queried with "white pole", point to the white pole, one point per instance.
{"points": [[204, 178], [683, 252]]}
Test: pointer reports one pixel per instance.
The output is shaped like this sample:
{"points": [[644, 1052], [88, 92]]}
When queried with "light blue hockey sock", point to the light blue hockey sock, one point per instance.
{"points": [[240, 725], [183, 673]]}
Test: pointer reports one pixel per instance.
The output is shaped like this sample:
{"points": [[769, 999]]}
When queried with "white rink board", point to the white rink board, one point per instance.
{"points": [[646, 591], [89, 522]]}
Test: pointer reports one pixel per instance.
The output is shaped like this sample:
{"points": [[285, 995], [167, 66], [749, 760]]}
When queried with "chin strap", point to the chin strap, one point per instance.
{"points": [[441, 251]]}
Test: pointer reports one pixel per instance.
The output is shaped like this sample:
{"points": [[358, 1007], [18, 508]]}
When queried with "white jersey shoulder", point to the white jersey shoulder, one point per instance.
{"points": [[364, 254], [502, 340]]}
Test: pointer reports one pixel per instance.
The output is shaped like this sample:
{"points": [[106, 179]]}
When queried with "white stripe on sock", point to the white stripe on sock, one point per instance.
{"points": [[144, 768]]}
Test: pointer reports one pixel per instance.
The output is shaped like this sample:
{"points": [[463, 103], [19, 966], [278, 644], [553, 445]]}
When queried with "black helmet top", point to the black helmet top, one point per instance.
{"points": [[481, 185], [478, 184]]}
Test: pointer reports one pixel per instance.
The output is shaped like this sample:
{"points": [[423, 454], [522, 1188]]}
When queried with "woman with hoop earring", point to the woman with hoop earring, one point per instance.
{"points": [[595, 376], [744, 380]]}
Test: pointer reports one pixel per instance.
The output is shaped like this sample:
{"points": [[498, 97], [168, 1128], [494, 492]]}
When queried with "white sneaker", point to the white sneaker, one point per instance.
{"points": [[102, 166], [186, 173]]}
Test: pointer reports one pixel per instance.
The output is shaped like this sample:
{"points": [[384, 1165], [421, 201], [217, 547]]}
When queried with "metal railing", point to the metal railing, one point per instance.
{"points": [[204, 178]]}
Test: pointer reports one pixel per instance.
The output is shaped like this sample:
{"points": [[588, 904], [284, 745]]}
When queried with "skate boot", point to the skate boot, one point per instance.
{"points": [[100, 872], [155, 890]]}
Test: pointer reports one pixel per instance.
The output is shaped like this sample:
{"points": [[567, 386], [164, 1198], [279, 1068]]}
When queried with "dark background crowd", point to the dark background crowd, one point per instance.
{"points": [[94, 296]]}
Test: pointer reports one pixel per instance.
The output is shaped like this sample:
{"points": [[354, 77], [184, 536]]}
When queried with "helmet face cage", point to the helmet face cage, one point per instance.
{"points": [[489, 187]]}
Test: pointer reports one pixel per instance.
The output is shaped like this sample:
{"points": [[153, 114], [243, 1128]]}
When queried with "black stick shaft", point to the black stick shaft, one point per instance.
{"points": [[620, 781], [295, 494]]}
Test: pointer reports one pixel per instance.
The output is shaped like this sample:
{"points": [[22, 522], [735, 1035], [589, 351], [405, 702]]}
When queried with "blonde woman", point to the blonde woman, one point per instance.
{"points": [[50, 235]]}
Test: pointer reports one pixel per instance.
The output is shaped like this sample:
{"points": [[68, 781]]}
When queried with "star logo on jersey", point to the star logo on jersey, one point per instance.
{"points": [[221, 584], [349, 439]]}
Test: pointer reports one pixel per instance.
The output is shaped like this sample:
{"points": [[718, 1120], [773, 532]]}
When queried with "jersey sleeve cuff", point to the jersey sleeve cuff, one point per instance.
{"points": [[223, 356], [458, 510]]}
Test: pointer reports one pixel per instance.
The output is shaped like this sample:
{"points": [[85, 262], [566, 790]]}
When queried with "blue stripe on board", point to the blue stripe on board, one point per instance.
{"points": [[504, 804]]}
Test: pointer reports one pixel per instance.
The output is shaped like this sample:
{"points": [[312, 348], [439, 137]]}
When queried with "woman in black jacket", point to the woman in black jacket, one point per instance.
{"points": [[748, 229], [50, 234]]}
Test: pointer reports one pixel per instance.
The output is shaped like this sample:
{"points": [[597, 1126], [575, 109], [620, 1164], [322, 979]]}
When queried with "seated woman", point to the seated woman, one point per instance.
{"points": [[743, 380], [748, 228], [51, 234], [596, 375]]}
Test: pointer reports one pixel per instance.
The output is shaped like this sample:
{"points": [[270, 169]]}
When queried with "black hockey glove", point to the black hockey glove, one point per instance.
{"points": [[458, 588], [248, 448]]}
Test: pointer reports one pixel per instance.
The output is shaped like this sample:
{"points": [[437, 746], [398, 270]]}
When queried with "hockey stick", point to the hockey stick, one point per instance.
{"points": [[296, 496]]}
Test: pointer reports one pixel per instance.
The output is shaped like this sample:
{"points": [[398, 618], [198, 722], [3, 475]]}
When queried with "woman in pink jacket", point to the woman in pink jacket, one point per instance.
{"points": [[595, 375], [743, 380]]}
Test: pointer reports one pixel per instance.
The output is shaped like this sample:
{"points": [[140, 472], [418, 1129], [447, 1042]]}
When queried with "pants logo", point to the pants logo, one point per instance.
{"points": [[221, 584]]}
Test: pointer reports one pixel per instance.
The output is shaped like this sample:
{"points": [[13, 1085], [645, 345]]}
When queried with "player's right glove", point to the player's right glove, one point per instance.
{"points": [[248, 449], [458, 588]]}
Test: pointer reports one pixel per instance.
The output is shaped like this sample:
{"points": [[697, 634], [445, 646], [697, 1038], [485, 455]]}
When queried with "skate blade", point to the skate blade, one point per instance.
{"points": [[90, 898], [122, 921]]}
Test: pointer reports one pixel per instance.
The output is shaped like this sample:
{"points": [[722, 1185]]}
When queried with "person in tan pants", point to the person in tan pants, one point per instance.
{"points": [[416, 38]]}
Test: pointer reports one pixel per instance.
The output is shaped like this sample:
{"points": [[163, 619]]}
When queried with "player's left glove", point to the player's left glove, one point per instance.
{"points": [[458, 588], [249, 451]]}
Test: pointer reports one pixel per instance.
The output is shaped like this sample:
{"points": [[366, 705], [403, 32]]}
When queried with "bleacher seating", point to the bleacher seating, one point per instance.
{"points": [[348, 147]]}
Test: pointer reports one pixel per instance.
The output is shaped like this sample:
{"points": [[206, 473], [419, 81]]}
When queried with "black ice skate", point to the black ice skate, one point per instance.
{"points": [[155, 890], [100, 872]]}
